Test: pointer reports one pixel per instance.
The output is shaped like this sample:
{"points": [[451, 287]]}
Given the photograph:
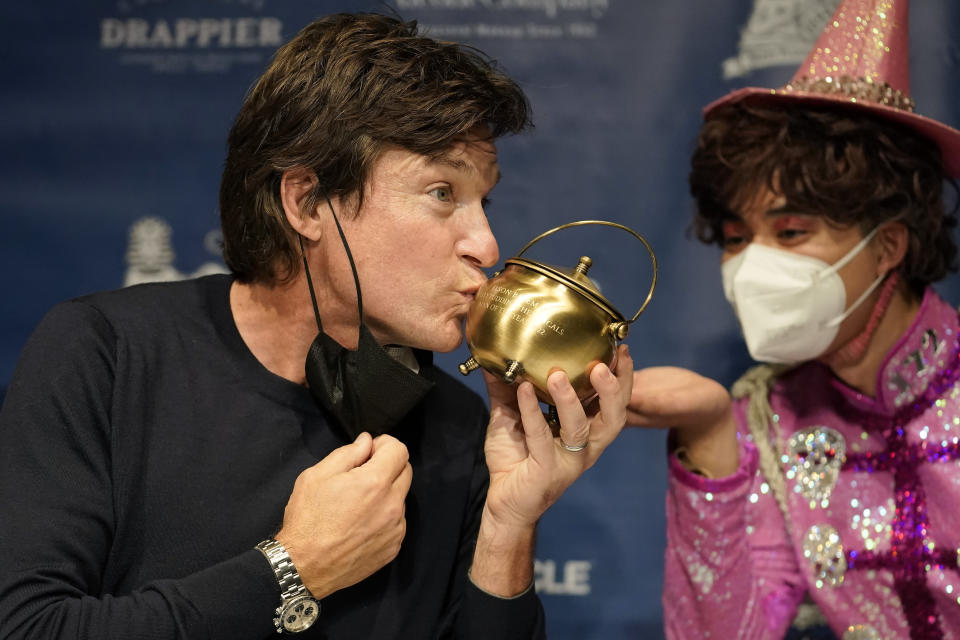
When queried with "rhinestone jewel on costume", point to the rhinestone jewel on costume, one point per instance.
{"points": [[823, 549], [816, 455], [861, 632]]}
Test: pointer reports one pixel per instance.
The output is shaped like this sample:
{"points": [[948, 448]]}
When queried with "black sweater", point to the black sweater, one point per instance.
{"points": [[144, 451]]}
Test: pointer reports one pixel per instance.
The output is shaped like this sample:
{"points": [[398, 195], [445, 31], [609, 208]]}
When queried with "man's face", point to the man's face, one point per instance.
{"points": [[419, 242]]}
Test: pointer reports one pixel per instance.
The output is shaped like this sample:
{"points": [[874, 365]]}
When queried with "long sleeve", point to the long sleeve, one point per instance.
{"points": [[58, 496], [730, 569], [474, 614], [144, 451]]}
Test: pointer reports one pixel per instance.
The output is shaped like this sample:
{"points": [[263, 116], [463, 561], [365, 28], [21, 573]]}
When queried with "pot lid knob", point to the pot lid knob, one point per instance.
{"points": [[584, 265], [580, 274]]}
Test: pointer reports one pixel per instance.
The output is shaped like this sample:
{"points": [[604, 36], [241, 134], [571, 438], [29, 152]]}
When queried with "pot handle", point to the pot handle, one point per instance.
{"points": [[653, 258]]}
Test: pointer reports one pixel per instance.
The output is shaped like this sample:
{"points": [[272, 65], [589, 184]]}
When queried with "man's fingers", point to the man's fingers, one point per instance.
{"points": [[389, 458], [402, 483], [537, 432], [347, 457], [574, 423], [499, 392], [612, 400]]}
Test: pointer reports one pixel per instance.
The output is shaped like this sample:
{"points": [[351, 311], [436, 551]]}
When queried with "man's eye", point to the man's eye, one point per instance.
{"points": [[443, 194]]}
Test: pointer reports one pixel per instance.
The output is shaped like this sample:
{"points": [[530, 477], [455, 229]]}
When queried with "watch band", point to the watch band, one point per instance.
{"points": [[292, 590]]}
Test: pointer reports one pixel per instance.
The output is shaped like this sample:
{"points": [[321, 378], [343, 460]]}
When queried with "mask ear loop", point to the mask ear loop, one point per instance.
{"points": [[313, 295], [353, 269], [842, 262], [863, 296]]}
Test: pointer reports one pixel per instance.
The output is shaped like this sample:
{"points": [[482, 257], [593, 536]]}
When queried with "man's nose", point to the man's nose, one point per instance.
{"points": [[478, 244]]}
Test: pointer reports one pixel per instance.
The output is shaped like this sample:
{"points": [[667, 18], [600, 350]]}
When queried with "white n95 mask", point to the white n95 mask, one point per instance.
{"points": [[790, 306]]}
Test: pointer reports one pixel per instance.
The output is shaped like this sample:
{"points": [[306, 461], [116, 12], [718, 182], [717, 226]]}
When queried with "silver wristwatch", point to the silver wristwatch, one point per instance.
{"points": [[298, 608]]}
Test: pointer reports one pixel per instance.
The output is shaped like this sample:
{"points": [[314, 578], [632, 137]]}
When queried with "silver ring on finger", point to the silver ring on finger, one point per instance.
{"points": [[573, 447]]}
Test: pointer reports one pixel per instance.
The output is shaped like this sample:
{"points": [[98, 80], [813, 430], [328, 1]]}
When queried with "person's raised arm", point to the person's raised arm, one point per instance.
{"points": [[695, 408], [345, 518], [712, 558], [530, 468]]}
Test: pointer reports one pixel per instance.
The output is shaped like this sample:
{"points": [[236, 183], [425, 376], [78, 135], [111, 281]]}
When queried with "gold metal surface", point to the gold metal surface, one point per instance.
{"points": [[531, 319], [646, 245]]}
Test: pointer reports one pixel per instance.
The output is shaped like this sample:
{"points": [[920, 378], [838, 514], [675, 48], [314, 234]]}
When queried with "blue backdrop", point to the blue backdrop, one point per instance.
{"points": [[113, 121]]}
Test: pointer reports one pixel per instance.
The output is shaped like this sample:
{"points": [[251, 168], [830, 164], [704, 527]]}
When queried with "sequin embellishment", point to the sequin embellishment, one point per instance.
{"points": [[816, 454], [861, 632], [823, 549], [856, 88]]}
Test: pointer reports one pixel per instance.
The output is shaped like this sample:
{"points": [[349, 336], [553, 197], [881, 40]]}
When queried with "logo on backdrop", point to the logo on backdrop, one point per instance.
{"points": [[570, 578], [150, 255], [779, 32], [515, 19], [171, 43]]}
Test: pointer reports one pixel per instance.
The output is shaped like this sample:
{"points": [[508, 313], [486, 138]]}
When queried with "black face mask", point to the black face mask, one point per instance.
{"points": [[363, 390]]}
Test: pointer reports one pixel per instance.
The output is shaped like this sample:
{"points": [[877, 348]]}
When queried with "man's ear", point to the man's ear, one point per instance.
{"points": [[295, 185], [892, 241]]}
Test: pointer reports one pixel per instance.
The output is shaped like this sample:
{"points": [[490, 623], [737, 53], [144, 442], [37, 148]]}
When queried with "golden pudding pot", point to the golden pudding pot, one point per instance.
{"points": [[531, 319]]}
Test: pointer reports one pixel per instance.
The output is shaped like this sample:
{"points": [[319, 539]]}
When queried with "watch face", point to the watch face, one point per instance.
{"points": [[300, 613]]}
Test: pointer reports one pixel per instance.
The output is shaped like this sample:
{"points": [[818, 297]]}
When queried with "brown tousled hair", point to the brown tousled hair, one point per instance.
{"points": [[851, 168], [347, 87]]}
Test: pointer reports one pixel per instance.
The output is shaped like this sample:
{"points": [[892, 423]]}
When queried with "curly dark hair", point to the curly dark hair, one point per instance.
{"points": [[343, 90], [849, 167]]}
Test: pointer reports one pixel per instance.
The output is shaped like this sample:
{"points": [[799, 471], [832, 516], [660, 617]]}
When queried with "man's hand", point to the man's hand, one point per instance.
{"points": [[530, 468], [697, 408], [345, 518]]}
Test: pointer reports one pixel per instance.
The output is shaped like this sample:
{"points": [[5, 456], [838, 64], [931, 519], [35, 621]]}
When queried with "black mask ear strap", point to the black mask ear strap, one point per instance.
{"points": [[313, 295], [353, 267]]}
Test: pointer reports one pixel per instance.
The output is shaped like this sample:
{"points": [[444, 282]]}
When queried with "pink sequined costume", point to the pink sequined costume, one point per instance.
{"points": [[872, 493]]}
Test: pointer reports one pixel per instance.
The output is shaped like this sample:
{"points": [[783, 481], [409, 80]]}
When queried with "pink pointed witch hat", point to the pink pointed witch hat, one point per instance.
{"points": [[861, 60]]}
